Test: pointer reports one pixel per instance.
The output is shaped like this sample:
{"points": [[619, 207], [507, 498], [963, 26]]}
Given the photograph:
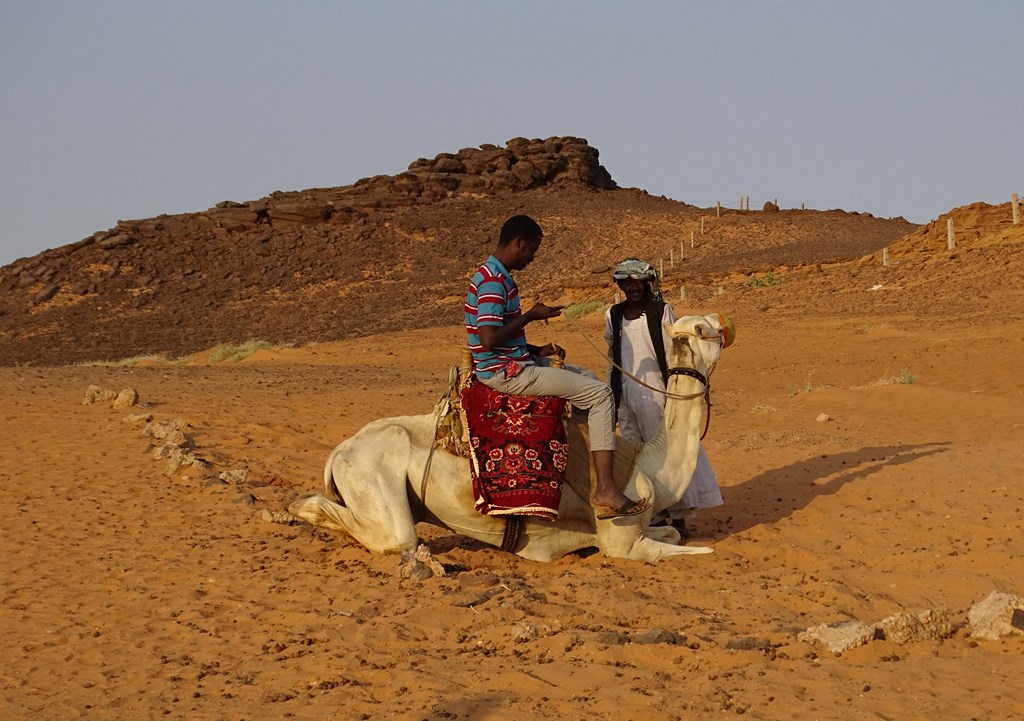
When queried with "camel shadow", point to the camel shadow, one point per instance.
{"points": [[779, 492]]}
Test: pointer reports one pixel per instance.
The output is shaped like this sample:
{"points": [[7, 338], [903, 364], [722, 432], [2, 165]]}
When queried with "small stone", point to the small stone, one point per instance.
{"points": [[94, 394], [237, 476], [423, 555], [658, 635], [416, 571], [525, 632], [839, 637], [282, 517], [127, 398], [823, 418], [748, 643], [611, 638]]}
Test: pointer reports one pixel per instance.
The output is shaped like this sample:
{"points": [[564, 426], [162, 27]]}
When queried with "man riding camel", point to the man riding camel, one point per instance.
{"points": [[504, 361]]}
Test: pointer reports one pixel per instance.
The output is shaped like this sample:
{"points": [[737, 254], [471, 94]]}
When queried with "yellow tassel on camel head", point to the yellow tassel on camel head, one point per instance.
{"points": [[728, 330]]}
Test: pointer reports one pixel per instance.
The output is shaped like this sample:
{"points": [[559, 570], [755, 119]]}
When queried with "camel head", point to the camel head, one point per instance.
{"points": [[696, 341]]}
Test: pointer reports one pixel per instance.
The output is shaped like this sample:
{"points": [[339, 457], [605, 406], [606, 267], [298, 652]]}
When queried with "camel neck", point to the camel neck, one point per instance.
{"points": [[682, 418]]}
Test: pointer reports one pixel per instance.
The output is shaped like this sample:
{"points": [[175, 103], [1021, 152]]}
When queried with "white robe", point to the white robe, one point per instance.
{"points": [[641, 410]]}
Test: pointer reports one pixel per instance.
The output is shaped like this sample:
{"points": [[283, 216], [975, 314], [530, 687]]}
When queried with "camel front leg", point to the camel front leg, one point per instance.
{"points": [[633, 538]]}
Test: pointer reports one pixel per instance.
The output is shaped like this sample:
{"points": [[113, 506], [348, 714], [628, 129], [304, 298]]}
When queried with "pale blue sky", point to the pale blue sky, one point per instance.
{"points": [[127, 109]]}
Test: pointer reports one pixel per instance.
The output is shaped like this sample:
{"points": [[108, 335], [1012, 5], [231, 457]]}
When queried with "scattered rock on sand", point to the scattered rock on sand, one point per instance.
{"points": [[169, 432], [127, 398], [838, 637], [749, 643], [237, 476], [95, 394], [658, 635], [282, 517], [931, 625], [124, 399], [177, 458], [525, 632], [420, 565], [414, 569], [611, 638], [1001, 614]]}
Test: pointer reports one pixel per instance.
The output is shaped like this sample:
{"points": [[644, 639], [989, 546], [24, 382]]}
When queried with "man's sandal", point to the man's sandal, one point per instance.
{"points": [[629, 508]]}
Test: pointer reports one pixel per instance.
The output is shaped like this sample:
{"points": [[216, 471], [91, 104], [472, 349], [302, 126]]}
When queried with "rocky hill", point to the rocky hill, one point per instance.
{"points": [[386, 252]]}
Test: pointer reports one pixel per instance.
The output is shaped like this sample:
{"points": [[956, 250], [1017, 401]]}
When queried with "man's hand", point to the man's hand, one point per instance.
{"points": [[492, 336], [543, 312], [551, 349]]}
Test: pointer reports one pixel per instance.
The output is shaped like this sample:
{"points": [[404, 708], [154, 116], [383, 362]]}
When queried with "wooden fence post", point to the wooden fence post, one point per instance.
{"points": [[718, 208], [885, 256], [691, 239], [702, 225], [1015, 204], [682, 292], [671, 257], [950, 237]]}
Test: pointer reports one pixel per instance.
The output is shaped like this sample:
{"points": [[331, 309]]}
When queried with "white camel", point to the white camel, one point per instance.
{"points": [[374, 487]]}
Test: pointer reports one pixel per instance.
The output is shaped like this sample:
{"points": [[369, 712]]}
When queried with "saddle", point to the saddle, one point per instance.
{"points": [[522, 449]]}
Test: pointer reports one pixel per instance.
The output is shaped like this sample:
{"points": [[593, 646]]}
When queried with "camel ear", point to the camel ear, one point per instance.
{"points": [[666, 336]]}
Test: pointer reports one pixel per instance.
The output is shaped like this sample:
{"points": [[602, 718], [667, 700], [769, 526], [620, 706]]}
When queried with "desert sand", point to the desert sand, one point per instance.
{"points": [[130, 593]]}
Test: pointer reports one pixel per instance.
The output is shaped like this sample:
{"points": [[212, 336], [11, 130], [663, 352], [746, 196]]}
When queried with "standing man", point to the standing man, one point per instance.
{"points": [[639, 374], [504, 361]]}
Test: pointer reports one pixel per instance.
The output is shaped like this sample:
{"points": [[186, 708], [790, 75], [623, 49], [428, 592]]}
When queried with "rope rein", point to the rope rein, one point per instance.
{"points": [[673, 396]]}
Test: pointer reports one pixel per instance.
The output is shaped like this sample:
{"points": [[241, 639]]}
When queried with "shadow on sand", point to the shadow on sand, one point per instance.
{"points": [[777, 493]]}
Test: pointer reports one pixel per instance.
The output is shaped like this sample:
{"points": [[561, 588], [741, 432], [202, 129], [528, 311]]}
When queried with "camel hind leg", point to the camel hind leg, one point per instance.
{"points": [[368, 475]]}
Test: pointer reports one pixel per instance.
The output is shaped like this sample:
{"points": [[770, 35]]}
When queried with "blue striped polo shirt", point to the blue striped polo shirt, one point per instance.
{"points": [[493, 299]]}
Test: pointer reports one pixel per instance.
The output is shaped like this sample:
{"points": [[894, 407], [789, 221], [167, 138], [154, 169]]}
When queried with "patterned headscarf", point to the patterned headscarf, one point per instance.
{"points": [[639, 270]]}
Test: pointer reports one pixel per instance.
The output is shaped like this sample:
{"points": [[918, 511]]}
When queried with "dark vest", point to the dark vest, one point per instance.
{"points": [[653, 310]]}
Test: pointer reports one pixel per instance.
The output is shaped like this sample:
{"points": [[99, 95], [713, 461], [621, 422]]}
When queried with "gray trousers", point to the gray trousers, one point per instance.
{"points": [[576, 385]]}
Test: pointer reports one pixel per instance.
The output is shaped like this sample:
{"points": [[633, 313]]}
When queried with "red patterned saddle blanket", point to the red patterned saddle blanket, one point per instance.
{"points": [[518, 451]]}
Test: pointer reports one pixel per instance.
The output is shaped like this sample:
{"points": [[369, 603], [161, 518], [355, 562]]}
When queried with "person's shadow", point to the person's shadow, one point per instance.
{"points": [[779, 492]]}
